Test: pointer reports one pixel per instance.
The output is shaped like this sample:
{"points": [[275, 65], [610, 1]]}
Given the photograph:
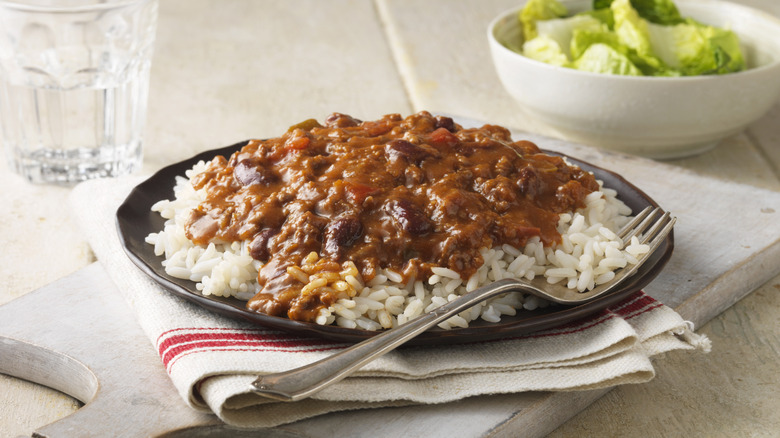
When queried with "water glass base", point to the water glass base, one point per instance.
{"points": [[72, 166]]}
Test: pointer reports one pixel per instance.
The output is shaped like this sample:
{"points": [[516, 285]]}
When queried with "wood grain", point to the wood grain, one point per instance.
{"points": [[730, 392], [34, 213], [230, 70]]}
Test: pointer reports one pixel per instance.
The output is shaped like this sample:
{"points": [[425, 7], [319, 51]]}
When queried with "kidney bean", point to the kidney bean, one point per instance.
{"points": [[446, 123], [342, 232], [529, 182], [408, 217], [247, 173], [259, 247], [338, 120], [400, 148]]}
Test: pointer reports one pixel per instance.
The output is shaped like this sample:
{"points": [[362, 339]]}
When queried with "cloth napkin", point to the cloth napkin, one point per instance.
{"points": [[212, 360]]}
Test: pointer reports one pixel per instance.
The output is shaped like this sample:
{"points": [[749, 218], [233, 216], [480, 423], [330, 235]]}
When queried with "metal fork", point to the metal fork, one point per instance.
{"points": [[302, 382]]}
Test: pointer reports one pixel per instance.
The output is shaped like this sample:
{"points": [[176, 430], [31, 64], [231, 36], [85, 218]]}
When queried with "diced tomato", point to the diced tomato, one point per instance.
{"points": [[357, 193], [297, 143], [443, 137]]}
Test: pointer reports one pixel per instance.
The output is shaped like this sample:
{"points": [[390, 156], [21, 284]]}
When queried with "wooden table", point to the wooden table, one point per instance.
{"points": [[225, 71]]}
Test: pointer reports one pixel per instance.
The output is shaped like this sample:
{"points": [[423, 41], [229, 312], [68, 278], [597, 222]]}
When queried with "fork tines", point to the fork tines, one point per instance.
{"points": [[659, 227]]}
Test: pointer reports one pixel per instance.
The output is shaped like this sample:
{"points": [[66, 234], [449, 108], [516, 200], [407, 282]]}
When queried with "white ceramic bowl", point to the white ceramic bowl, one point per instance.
{"points": [[657, 117]]}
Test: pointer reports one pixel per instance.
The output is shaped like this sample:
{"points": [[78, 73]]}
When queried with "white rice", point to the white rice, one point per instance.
{"points": [[588, 255]]}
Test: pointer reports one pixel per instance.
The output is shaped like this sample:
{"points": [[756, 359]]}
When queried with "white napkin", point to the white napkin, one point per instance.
{"points": [[212, 360]]}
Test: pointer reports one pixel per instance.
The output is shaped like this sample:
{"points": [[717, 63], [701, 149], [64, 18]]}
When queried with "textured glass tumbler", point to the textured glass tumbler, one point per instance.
{"points": [[74, 80]]}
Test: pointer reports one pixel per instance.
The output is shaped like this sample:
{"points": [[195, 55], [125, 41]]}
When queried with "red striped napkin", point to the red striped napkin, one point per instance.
{"points": [[212, 360]]}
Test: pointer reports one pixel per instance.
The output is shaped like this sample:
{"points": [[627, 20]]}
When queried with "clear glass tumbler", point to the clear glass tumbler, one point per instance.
{"points": [[74, 80]]}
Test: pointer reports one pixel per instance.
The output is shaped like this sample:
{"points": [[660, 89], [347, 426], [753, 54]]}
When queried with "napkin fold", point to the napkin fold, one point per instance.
{"points": [[212, 360]]}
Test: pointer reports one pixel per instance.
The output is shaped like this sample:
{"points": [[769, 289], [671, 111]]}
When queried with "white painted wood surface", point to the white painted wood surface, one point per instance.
{"points": [[229, 70]]}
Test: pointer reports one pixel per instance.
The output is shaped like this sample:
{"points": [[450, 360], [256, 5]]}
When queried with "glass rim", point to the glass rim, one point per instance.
{"points": [[93, 5]]}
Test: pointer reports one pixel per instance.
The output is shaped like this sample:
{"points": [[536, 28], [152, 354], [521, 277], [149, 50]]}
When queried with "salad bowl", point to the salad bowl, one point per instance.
{"points": [[656, 117]]}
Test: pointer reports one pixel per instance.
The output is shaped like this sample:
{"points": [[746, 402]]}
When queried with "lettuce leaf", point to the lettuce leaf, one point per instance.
{"points": [[583, 38], [634, 32], [602, 58], [562, 29], [538, 10], [697, 49], [728, 53], [603, 15], [654, 11], [647, 37], [545, 49], [630, 28]]}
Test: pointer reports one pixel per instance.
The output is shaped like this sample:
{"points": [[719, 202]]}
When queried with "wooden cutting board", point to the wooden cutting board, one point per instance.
{"points": [[78, 336]]}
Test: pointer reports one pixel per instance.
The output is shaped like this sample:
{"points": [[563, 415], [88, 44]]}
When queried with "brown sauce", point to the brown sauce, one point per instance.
{"points": [[401, 193]]}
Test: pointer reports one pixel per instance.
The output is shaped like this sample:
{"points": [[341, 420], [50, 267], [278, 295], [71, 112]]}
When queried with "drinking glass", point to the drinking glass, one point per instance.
{"points": [[74, 80]]}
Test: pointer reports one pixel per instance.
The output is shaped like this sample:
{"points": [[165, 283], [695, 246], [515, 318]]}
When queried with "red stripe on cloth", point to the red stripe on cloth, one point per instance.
{"points": [[177, 343], [636, 303], [211, 347], [193, 343], [272, 339], [267, 333], [211, 350]]}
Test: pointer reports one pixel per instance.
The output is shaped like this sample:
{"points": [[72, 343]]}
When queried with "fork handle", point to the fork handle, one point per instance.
{"points": [[300, 383]]}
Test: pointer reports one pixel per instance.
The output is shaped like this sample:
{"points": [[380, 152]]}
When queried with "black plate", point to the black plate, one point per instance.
{"points": [[135, 221]]}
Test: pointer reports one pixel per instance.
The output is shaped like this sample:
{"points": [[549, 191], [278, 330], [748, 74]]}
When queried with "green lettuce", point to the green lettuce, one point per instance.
{"points": [[630, 28], [603, 15], [562, 29], [634, 32], [545, 49], [697, 49], [584, 38], [647, 37], [602, 58], [728, 53], [539, 10], [654, 11]]}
